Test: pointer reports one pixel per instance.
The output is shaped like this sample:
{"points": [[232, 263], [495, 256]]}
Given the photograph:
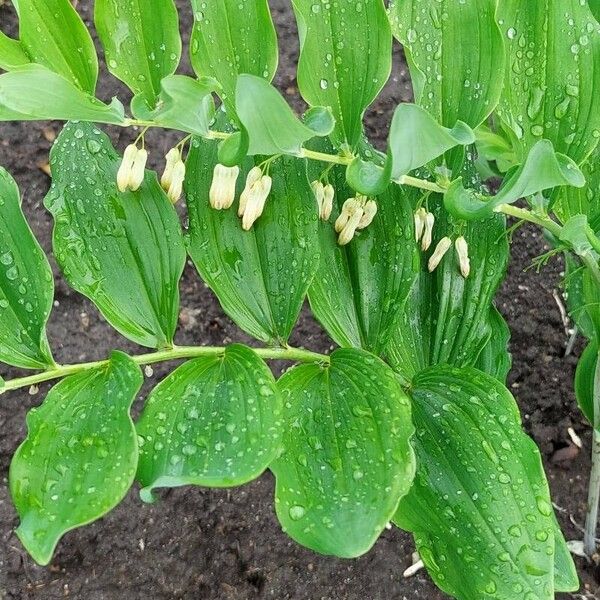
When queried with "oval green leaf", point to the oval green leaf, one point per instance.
{"points": [[215, 421], [231, 37], [184, 104], [124, 251], [34, 93], [447, 317], [345, 59], [416, 139], [561, 101], [12, 53], [480, 507], [270, 123], [542, 170], [260, 276], [80, 455], [347, 456], [141, 41], [53, 35], [26, 286], [360, 289], [456, 56], [584, 380]]}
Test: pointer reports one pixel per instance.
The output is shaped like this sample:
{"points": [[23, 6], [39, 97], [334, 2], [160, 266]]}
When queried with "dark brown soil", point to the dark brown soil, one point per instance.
{"points": [[211, 544]]}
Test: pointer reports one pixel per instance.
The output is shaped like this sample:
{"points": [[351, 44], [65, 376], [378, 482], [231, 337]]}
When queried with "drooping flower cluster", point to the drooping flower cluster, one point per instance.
{"points": [[252, 199], [424, 223], [357, 213], [174, 175], [324, 195], [133, 169]]}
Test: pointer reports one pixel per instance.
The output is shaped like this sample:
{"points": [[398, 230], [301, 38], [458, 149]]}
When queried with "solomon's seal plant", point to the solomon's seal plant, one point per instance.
{"points": [[399, 253]]}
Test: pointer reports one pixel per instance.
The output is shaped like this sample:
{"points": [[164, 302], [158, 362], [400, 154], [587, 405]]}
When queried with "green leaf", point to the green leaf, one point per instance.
{"points": [[79, 458], [270, 123], [455, 52], [53, 35], [447, 317], [12, 53], [231, 37], [260, 276], [348, 458], [551, 89], [542, 170], [215, 421], [584, 380], [494, 146], [367, 177], [184, 104], [495, 359], [360, 289], [480, 507], [416, 138], [595, 8], [141, 41], [26, 286], [585, 200], [33, 92], [124, 251], [583, 297], [345, 59]]}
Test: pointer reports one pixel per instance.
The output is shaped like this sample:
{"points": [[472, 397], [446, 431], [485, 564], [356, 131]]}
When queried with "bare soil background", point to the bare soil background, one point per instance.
{"points": [[227, 545]]}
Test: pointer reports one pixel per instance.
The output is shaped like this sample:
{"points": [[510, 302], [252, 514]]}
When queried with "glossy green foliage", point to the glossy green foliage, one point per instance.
{"points": [[53, 35], [345, 59], [542, 170], [360, 289], [583, 200], [26, 286], [141, 41], [584, 380], [480, 507], [347, 459], [260, 276], [33, 92], [12, 53], [450, 319], [495, 359], [80, 455], [274, 129], [455, 53], [214, 421], [184, 104], [583, 298], [416, 138], [124, 251], [231, 37], [552, 75]]}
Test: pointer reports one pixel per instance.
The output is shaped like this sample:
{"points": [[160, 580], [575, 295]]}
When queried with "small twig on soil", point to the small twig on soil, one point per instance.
{"points": [[563, 312], [571, 342]]}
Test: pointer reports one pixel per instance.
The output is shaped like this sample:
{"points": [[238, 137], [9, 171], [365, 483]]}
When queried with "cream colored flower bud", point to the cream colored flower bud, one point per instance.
{"points": [[178, 177], [327, 206], [351, 226], [427, 232], [348, 209], [124, 172], [257, 199], [439, 253], [172, 158], [253, 177], [369, 210], [462, 251], [138, 171], [222, 190], [420, 217]]}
